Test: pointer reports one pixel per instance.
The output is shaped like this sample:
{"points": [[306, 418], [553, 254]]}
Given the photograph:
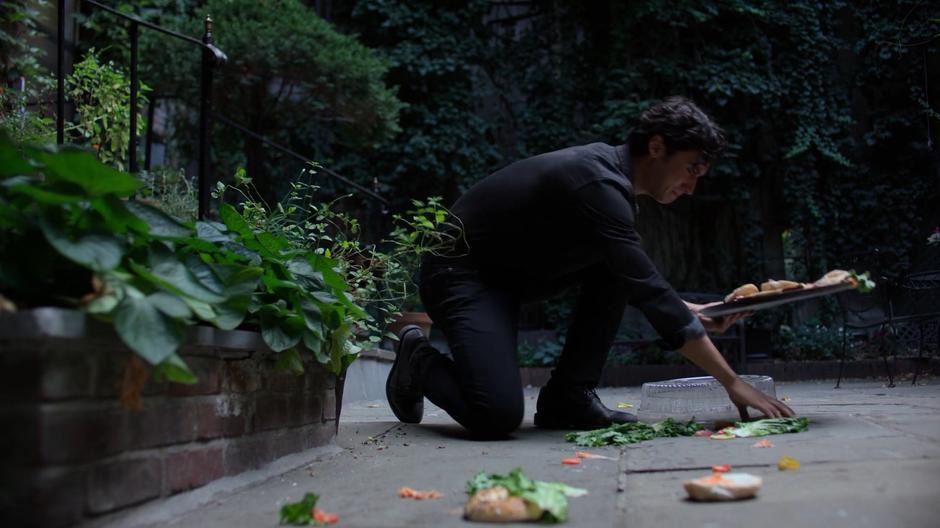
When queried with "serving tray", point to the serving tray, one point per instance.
{"points": [[763, 301]]}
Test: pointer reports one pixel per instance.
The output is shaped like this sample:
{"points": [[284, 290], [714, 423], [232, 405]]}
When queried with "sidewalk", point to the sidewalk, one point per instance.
{"points": [[871, 458]]}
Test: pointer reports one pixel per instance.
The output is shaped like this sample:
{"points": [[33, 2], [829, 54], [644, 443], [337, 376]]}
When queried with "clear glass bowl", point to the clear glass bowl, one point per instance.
{"points": [[702, 398]]}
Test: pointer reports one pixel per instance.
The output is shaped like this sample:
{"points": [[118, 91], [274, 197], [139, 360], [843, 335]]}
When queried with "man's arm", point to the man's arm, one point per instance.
{"points": [[703, 353]]}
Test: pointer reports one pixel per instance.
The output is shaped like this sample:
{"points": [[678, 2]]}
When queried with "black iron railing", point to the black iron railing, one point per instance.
{"points": [[212, 57]]}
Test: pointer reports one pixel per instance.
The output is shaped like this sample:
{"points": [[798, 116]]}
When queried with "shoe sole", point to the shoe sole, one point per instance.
{"points": [[403, 417]]}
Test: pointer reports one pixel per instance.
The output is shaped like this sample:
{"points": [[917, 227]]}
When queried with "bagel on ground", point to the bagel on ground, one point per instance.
{"points": [[495, 505], [723, 487]]}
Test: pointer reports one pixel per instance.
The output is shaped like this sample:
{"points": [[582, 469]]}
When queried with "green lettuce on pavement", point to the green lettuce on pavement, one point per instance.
{"points": [[551, 497], [632, 433], [769, 426]]}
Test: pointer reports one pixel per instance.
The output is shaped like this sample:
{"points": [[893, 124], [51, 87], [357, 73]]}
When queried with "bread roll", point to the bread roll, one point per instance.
{"points": [[833, 277], [723, 486], [495, 505], [742, 291], [779, 285]]}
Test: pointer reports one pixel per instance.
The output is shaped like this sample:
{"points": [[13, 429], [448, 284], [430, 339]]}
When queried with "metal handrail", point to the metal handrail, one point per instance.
{"points": [[300, 157], [211, 57], [219, 54]]}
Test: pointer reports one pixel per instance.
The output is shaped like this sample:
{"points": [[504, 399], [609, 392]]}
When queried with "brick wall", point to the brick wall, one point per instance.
{"points": [[70, 451]]}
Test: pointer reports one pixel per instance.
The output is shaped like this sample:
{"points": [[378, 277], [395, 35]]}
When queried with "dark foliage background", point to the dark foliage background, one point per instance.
{"points": [[831, 109]]}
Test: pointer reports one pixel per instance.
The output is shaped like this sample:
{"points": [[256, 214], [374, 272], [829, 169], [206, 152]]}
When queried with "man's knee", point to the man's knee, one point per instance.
{"points": [[495, 418]]}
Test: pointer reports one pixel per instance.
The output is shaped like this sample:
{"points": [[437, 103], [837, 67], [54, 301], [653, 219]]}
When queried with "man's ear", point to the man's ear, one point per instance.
{"points": [[656, 147]]}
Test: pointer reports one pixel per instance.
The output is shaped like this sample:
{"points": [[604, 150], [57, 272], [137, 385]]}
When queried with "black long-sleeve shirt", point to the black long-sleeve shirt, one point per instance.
{"points": [[549, 216]]}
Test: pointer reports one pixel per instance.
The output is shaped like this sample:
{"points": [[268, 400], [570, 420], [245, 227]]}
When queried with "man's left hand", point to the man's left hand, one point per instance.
{"points": [[716, 324]]}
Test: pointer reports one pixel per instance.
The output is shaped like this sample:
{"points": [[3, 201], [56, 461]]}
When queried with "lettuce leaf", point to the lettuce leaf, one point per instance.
{"points": [[769, 426], [632, 433]]}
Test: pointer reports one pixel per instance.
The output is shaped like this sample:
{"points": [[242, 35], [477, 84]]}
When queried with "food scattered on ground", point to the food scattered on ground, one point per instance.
{"points": [[704, 432], [632, 433], [763, 444], [624, 405], [723, 486], [768, 426], [585, 454], [785, 399], [410, 493], [516, 497], [323, 517], [306, 513], [788, 463], [571, 461], [723, 468]]}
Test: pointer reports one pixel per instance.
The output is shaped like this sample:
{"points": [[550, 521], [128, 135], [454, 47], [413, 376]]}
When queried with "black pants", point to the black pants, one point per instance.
{"points": [[481, 387]]}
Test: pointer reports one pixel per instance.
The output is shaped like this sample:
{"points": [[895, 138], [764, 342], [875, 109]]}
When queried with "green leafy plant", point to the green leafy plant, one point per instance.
{"points": [[632, 433], [306, 513], [542, 353], [102, 94], [427, 228], [810, 340], [381, 282], [170, 190], [72, 237], [549, 497]]}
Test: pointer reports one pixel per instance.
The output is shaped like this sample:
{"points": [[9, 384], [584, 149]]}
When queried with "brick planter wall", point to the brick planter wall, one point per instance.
{"points": [[70, 451]]}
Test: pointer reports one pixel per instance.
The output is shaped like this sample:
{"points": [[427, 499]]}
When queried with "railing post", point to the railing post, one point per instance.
{"points": [[132, 147], [205, 110], [60, 75]]}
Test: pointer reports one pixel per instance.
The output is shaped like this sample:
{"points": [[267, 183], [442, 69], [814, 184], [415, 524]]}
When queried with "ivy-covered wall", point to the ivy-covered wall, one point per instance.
{"points": [[830, 108]]}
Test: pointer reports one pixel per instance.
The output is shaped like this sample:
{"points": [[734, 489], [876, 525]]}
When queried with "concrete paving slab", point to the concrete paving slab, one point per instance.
{"points": [[853, 495], [871, 458]]}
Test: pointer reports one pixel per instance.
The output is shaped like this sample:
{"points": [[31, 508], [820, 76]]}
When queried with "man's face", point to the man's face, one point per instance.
{"points": [[676, 172]]}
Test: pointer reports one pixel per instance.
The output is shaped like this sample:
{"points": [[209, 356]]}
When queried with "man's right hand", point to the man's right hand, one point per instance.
{"points": [[744, 395]]}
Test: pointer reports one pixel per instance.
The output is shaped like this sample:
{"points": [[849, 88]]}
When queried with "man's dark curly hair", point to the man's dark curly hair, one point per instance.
{"points": [[682, 125]]}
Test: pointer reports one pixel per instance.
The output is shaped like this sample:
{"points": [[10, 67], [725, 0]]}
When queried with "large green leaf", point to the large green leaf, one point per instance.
{"points": [[98, 252], [116, 214], [315, 344], [202, 310], [235, 221], [230, 314], [44, 195], [289, 360], [205, 274], [168, 271], [213, 232], [11, 162], [281, 333], [239, 280], [170, 304], [337, 341], [147, 331], [81, 168], [160, 224], [174, 369]]}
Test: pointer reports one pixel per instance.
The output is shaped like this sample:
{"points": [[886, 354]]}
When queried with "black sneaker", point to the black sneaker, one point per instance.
{"points": [[403, 393], [575, 408]]}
